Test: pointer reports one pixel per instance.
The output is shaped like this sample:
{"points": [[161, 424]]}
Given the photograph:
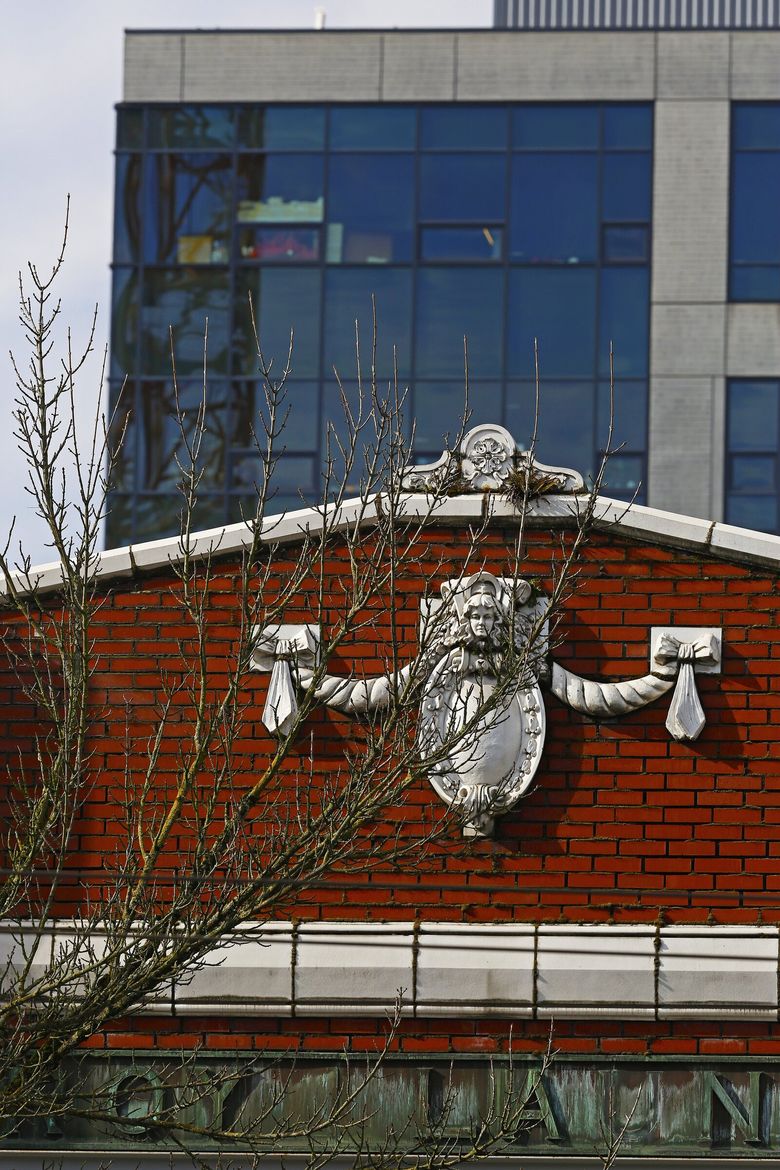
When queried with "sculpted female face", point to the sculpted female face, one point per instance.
{"points": [[482, 614]]}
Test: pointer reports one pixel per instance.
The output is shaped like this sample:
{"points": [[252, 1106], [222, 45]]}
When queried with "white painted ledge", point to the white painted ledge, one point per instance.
{"points": [[642, 523], [457, 970]]}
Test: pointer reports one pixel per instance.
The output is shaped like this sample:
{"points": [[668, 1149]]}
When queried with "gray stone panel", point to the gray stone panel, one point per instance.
{"points": [[153, 67], [755, 66], [690, 201], [687, 340], [682, 454], [693, 65], [418, 67], [555, 66], [753, 348], [281, 67]]}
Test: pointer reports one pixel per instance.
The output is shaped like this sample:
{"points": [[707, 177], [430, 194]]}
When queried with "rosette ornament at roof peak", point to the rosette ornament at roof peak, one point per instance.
{"points": [[489, 459]]}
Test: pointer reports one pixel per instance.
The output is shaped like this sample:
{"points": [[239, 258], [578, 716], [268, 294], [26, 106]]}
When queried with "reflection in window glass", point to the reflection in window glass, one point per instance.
{"points": [[127, 209], [370, 208], [281, 127], [183, 299], [463, 128], [249, 413], [752, 416], [129, 128], [556, 127], [557, 306], [124, 322], [360, 432], [439, 406], [554, 208], [162, 445], [120, 519], [626, 186], [123, 436], [565, 426], [183, 127], [348, 298], [630, 127], [623, 321], [453, 303], [280, 188], [187, 208], [461, 243], [372, 128], [285, 302], [462, 186], [279, 244]]}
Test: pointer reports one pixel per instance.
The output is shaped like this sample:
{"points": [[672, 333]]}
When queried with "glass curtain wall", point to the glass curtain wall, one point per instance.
{"points": [[498, 223]]}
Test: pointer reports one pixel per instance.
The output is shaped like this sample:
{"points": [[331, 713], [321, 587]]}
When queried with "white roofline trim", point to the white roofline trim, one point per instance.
{"points": [[669, 529]]}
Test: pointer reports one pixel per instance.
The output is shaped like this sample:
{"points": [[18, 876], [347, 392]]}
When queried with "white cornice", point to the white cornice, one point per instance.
{"points": [[668, 529]]}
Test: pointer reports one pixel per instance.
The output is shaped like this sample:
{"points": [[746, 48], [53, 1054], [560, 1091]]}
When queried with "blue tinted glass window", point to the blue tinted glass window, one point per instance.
{"points": [[623, 320], [161, 438], [557, 306], [127, 208], [556, 127], [629, 415], [280, 188], [461, 243], [565, 421], [348, 298], [623, 475], [625, 244], [373, 128], [626, 187], [755, 127], [753, 282], [438, 406], [758, 512], [754, 473], [462, 187], [249, 410], [125, 317], [628, 127], [129, 129], [755, 234], [184, 127], [463, 128], [285, 302], [281, 127], [554, 208], [753, 416], [188, 208], [370, 208], [182, 299], [453, 303]]}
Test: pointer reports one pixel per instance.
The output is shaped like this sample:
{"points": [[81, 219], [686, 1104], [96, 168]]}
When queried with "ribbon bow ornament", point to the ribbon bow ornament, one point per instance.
{"points": [[686, 718]]}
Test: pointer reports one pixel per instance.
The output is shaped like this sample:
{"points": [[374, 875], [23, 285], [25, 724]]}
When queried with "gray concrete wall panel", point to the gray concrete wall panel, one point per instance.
{"points": [[687, 340], [418, 67], [153, 67], [753, 341], [680, 462], [693, 65], [690, 201], [282, 67], [556, 67], [755, 66]]}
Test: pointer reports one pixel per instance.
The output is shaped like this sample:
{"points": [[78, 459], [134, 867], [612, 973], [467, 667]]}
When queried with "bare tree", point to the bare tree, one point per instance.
{"points": [[209, 839]]}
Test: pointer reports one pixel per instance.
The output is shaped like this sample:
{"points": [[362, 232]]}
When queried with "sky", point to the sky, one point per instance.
{"points": [[60, 75]]}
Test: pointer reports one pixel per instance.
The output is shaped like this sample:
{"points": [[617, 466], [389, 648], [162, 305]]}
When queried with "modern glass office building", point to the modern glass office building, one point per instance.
{"points": [[585, 189]]}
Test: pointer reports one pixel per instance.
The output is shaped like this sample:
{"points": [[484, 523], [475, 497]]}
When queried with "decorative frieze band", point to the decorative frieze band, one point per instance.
{"points": [[454, 969]]}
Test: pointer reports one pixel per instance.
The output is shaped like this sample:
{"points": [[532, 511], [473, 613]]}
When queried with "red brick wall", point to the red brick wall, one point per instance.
{"points": [[623, 824]]}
